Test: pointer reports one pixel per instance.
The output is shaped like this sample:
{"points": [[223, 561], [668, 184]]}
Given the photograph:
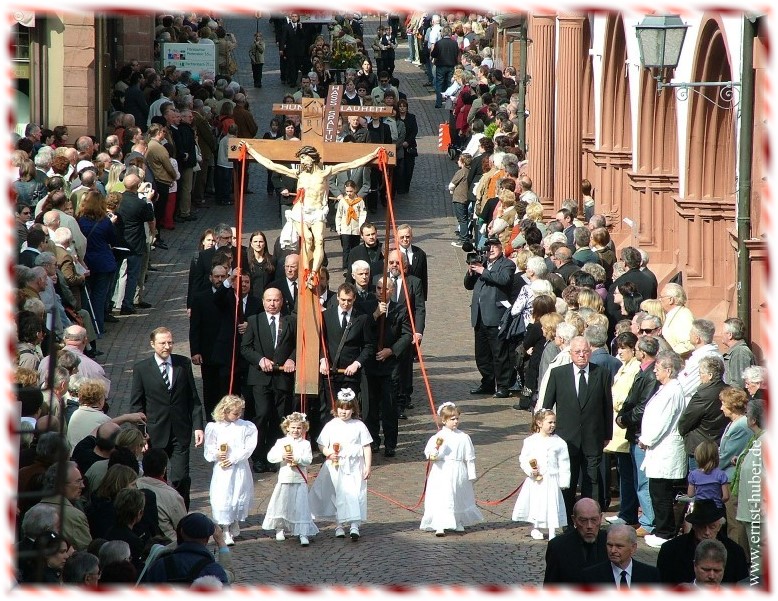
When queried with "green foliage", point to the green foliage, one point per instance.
{"points": [[490, 130]]}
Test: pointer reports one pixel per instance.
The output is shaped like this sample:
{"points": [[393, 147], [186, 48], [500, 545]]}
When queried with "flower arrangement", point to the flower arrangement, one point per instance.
{"points": [[345, 55]]}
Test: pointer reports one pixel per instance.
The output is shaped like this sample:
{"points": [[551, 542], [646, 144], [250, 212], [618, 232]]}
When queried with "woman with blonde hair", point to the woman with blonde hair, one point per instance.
{"points": [[653, 306], [589, 298], [115, 183]]}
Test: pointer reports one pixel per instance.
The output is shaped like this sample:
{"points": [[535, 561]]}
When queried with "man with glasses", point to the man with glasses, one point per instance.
{"points": [[23, 215], [384, 85], [677, 327], [163, 389], [651, 325], [581, 392], [581, 546]]}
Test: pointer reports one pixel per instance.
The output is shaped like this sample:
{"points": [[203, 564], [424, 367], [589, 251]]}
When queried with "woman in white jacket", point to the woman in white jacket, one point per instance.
{"points": [[665, 461]]}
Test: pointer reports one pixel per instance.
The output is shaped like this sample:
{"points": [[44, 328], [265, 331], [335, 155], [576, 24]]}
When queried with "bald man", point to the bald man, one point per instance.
{"points": [[135, 213], [75, 339]]}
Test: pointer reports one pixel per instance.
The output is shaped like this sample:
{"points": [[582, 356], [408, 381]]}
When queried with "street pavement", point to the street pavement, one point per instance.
{"points": [[392, 549]]}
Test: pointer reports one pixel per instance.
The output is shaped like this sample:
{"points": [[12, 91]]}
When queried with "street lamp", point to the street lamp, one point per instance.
{"points": [[660, 40]]}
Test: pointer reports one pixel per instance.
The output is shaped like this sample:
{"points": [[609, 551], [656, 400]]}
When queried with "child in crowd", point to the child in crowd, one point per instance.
{"points": [[458, 188], [708, 481], [450, 501], [288, 508], [350, 216], [340, 490], [545, 460], [229, 442]]}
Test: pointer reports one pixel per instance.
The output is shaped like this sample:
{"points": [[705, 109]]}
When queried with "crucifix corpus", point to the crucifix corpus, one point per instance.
{"points": [[319, 156]]}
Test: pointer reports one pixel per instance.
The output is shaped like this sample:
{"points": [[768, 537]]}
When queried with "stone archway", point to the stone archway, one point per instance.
{"points": [[613, 158], [707, 210]]}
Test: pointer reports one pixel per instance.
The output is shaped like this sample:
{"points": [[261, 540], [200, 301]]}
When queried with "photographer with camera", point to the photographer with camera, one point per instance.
{"points": [[489, 276]]}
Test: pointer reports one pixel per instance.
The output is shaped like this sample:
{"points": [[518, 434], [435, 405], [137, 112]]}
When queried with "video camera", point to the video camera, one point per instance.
{"points": [[473, 255]]}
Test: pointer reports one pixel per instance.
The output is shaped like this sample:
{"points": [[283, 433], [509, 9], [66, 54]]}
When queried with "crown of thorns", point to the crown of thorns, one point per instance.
{"points": [[309, 151]]}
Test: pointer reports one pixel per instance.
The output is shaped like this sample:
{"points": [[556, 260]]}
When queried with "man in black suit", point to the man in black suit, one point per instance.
{"points": [[270, 345], [621, 569], [416, 257], [288, 283], [37, 241], [349, 342], [226, 348], [417, 309], [581, 392], [565, 218], [199, 278], [327, 296], [292, 48], [383, 368], [645, 284], [578, 548], [163, 389], [491, 285], [205, 322], [135, 214], [564, 264], [370, 250]]}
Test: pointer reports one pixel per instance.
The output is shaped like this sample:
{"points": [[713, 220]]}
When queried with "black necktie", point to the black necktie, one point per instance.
{"points": [[273, 330], [344, 321], [396, 288], [294, 291], [581, 386], [165, 377], [623, 582]]}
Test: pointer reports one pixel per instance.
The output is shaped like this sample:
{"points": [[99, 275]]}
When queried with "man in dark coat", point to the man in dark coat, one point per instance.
{"points": [[205, 322], [491, 284], [163, 388], [390, 321], [581, 546], [292, 48], [644, 283], [581, 392], [135, 214], [370, 250], [270, 346], [675, 561], [621, 569]]}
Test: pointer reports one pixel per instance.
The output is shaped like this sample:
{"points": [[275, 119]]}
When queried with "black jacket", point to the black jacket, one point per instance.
{"points": [[630, 415], [566, 557], [703, 419]]}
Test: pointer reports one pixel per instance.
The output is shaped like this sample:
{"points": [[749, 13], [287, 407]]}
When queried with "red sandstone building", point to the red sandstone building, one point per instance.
{"points": [[666, 171]]}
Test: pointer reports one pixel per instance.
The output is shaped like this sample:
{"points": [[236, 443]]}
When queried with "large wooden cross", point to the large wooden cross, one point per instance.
{"points": [[319, 123]]}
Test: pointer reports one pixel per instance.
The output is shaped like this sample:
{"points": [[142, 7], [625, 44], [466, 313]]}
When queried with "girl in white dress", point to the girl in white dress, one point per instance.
{"points": [[340, 491], [229, 442], [450, 501], [545, 460], [288, 508]]}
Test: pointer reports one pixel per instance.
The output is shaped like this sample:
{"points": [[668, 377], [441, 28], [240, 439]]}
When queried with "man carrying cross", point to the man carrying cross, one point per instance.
{"points": [[312, 191]]}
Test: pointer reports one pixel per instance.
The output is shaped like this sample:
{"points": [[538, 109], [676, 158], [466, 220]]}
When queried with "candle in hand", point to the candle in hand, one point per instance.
{"points": [[533, 463], [223, 449], [288, 449], [336, 450]]}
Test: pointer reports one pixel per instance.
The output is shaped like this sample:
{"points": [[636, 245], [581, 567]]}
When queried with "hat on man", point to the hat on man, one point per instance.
{"points": [[492, 240], [196, 526], [704, 512]]}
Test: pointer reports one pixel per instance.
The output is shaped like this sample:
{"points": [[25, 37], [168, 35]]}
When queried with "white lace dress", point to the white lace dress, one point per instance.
{"points": [[288, 508], [340, 494], [232, 488], [540, 502], [450, 500]]}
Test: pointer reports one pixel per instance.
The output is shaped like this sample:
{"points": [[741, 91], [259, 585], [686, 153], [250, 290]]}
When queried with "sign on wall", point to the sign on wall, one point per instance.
{"points": [[196, 58]]}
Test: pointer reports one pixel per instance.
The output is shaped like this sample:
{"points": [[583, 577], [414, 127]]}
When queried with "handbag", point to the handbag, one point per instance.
{"points": [[412, 151]]}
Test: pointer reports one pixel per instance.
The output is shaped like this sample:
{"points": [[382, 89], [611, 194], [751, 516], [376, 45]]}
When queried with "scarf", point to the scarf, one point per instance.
{"points": [[351, 214]]}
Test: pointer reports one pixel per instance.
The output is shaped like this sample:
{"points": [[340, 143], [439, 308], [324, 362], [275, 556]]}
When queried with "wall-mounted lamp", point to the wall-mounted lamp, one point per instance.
{"points": [[660, 39]]}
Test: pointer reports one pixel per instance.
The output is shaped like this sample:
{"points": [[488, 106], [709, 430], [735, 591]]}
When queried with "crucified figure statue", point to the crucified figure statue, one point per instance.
{"points": [[310, 205]]}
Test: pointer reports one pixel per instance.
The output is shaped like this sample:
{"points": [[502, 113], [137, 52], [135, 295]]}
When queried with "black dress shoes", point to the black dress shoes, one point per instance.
{"points": [[389, 453], [502, 394], [481, 390], [402, 415], [110, 319], [127, 311]]}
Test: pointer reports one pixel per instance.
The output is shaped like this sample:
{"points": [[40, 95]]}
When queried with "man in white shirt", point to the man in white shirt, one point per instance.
{"points": [[621, 569]]}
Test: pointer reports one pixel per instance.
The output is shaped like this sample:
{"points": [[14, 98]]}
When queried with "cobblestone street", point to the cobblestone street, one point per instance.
{"points": [[392, 549]]}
